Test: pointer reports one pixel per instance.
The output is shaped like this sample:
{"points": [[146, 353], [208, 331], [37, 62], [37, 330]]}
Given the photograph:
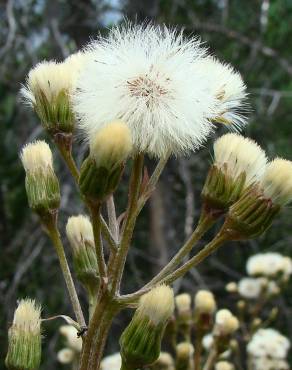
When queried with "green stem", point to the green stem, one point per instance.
{"points": [[96, 225], [129, 223], [65, 147], [204, 225], [112, 218], [211, 360], [56, 240], [198, 350]]}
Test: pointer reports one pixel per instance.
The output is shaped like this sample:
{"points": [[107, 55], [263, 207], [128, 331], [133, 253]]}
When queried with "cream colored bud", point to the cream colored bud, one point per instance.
{"points": [[37, 156], [224, 365], [111, 145], [277, 181], [225, 322], [73, 341], [165, 362], [79, 231], [231, 287], [111, 362], [205, 302], [65, 356], [183, 302]]}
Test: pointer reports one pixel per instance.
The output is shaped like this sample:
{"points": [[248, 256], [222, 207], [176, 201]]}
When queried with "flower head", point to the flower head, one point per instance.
{"points": [[240, 155], [226, 84], [277, 181], [269, 264], [224, 365], [111, 362], [37, 155], [72, 339], [183, 302], [225, 322], [79, 232], [144, 75], [205, 302], [24, 337]]}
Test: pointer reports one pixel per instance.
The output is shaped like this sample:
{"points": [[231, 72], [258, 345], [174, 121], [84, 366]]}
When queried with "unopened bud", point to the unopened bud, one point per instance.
{"points": [[42, 186], [65, 356], [24, 337], [165, 362], [225, 323], [101, 171], [205, 306], [224, 365], [184, 356], [231, 287], [141, 340]]}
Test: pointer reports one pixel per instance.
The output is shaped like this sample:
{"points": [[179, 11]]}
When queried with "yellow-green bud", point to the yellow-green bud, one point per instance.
{"points": [[184, 356], [141, 340], [80, 234], [24, 337], [42, 186], [232, 172], [101, 171]]}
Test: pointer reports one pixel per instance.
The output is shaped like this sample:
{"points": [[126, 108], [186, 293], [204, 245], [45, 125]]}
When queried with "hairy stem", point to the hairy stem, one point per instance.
{"points": [[96, 225], [129, 223], [200, 230], [56, 240], [112, 218]]}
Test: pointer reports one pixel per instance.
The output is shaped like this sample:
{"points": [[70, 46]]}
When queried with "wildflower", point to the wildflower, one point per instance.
{"points": [[270, 264], [72, 340], [225, 323], [231, 287], [112, 362], [49, 86], [250, 288], [145, 76], [184, 356], [65, 356], [101, 171], [232, 172], [24, 337], [205, 302], [224, 365], [268, 343], [140, 342], [229, 89], [183, 302], [80, 234], [42, 186]]}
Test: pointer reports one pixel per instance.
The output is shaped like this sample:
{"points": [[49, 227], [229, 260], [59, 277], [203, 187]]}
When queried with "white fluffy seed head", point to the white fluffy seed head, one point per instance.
{"points": [[65, 356], [73, 341], [36, 156], [79, 231], [183, 302], [268, 343], [144, 75], [27, 317], [165, 360], [205, 302], [112, 362], [277, 181], [225, 322], [269, 264], [157, 305], [227, 86], [250, 288], [112, 144], [240, 155], [51, 78]]}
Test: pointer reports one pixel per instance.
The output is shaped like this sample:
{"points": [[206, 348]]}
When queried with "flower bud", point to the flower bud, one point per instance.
{"points": [[111, 362], [141, 340], [24, 337], [225, 323], [231, 287], [80, 234], [65, 356], [205, 306], [42, 186], [224, 365], [101, 171], [165, 362], [184, 356], [72, 340], [184, 313], [232, 172], [48, 89]]}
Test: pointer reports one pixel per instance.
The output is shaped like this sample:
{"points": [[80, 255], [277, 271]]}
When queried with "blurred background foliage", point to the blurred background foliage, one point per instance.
{"points": [[254, 35]]}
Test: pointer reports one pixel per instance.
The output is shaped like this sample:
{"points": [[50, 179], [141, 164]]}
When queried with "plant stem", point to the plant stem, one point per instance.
{"points": [[211, 359], [129, 223], [198, 350], [200, 230], [56, 240], [112, 218], [96, 225]]}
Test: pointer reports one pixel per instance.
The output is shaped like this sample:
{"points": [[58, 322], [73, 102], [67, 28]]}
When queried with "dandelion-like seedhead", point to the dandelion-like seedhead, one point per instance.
{"points": [[79, 231], [145, 76], [240, 155], [157, 305], [27, 316], [183, 302], [226, 84], [269, 264], [37, 155], [225, 322], [277, 181], [112, 362], [204, 302]]}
